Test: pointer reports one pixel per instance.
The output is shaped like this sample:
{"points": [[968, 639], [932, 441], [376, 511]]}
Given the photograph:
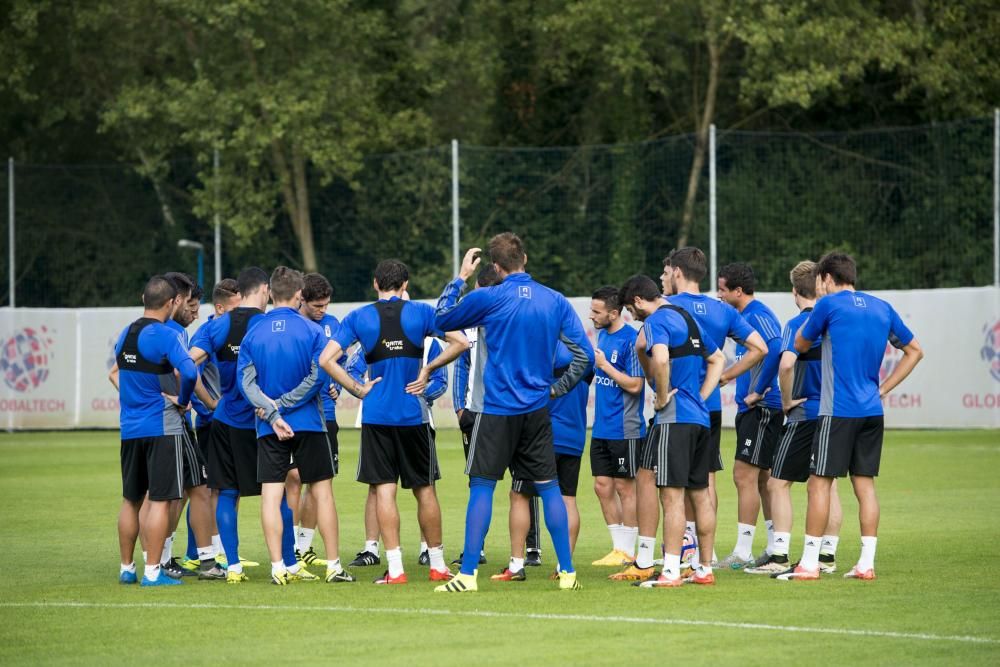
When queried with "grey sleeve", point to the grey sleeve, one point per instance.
{"points": [[294, 397], [257, 397], [577, 368]]}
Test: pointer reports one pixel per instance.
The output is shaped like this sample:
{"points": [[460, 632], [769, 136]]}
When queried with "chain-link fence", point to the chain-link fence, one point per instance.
{"points": [[914, 205]]}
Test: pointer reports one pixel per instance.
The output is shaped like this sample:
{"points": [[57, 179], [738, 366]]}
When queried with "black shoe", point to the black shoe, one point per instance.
{"points": [[175, 571], [458, 561], [365, 558], [425, 558], [533, 558]]}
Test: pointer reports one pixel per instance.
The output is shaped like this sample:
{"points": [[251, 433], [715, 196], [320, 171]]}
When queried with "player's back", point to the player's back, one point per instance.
{"points": [[142, 353], [569, 412], [223, 337], [688, 347], [807, 375]]}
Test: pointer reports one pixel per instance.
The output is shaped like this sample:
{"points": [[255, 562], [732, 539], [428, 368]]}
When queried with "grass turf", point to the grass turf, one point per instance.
{"points": [[939, 532]]}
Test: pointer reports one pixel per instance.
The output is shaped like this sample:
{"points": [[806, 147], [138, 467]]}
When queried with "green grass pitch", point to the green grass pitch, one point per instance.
{"points": [[937, 598]]}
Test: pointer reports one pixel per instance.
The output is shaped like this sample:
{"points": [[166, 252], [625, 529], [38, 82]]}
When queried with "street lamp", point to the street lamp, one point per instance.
{"points": [[194, 245]]}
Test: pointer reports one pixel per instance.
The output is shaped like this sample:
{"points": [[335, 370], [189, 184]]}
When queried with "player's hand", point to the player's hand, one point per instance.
{"points": [[173, 399], [753, 398], [724, 379], [417, 387], [661, 401], [882, 392], [461, 411], [600, 361], [473, 256], [361, 390], [788, 406], [334, 394], [282, 429]]}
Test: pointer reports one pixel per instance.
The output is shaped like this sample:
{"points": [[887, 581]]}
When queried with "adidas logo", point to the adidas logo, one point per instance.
{"points": [[643, 546], [779, 541], [747, 532], [745, 452], [810, 543]]}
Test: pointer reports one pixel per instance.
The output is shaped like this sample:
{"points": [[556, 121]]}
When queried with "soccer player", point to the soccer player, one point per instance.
{"points": [[396, 445], [683, 270], [683, 368], [619, 426], [758, 416], [523, 320], [569, 436], [854, 327], [232, 462], [152, 429], [279, 373]]}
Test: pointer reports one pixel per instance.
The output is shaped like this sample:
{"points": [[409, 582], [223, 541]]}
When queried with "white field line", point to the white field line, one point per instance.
{"points": [[882, 634]]}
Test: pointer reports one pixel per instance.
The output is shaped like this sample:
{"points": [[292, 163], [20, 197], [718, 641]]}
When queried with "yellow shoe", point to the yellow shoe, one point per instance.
{"points": [[249, 563], [568, 582], [309, 557], [614, 559], [460, 583], [191, 565], [302, 575], [280, 578], [236, 577], [633, 573]]}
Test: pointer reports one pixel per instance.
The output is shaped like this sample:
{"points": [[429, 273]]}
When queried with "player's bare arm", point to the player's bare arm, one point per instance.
{"points": [[912, 354], [628, 383], [756, 350], [457, 344]]}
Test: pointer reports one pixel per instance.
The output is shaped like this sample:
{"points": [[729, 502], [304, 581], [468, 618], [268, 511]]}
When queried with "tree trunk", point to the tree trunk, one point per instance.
{"points": [[295, 194]]}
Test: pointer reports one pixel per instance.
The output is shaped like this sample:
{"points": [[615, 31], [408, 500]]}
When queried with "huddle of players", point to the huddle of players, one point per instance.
{"points": [[274, 370]]}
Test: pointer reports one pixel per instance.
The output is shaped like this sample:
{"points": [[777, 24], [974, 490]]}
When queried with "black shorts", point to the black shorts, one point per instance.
{"points": [[848, 444], [677, 454], [791, 458], [715, 441], [522, 443], [613, 458], [757, 433], [312, 453], [195, 472], [465, 424], [332, 430], [569, 477], [232, 459], [155, 465], [403, 454]]}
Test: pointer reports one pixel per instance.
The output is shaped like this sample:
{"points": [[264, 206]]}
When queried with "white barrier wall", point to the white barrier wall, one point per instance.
{"points": [[54, 363]]}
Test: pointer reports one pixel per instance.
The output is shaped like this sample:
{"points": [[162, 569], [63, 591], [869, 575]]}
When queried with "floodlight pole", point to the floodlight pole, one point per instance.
{"points": [[996, 197], [454, 208], [712, 232], [10, 228], [218, 226]]}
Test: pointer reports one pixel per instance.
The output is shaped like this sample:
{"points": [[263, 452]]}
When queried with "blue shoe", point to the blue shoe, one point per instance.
{"points": [[162, 580], [127, 578]]}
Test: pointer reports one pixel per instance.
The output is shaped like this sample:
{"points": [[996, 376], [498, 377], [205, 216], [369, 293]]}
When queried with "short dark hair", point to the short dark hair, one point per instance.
{"points": [[224, 290], [390, 274], [738, 274], [181, 282], [250, 280], [488, 276], [157, 293], [839, 266], [285, 282], [316, 287], [507, 251], [638, 286], [196, 291], [691, 262], [609, 295]]}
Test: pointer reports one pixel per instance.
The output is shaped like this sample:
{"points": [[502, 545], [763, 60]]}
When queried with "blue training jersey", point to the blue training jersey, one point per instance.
{"points": [[283, 349], [388, 404], [437, 383], [210, 379], [521, 321], [214, 338], [687, 365], [718, 320], [145, 413], [568, 413], [807, 376], [854, 327], [617, 413], [764, 375], [329, 324]]}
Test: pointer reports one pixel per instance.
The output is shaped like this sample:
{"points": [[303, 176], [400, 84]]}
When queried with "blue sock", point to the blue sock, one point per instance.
{"points": [[556, 521], [192, 549], [477, 521], [287, 534], [225, 517]]}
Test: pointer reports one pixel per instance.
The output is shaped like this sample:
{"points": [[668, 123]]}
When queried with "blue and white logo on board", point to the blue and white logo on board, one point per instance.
{"points": [[278, 326], [524, 292], [859, 301]]}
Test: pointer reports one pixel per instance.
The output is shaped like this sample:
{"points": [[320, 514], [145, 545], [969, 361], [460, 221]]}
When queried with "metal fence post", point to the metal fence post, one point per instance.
{"points": [[218, 228], [10, 228], [712, 233], [996, 197], [454, 208]]}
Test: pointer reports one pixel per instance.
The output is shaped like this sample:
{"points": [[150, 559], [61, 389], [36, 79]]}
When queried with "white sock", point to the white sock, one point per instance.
{"points": [[436, 554], [630, 535], [744, 540], [644, 557], [829, 545], [690, 529], [781, 541], [810, 553], [423, 547], [277, 566], [616, 536], [128, 568], [206, 553], [333, 567], [237, 568], [516, 564], [704, 568], [867, 559], [395, 558], [371, 546], [145, 558], [292, 569], [152, 572], [671, 566], [217, 546], [168, 550], [304, 539], [770, 536]]}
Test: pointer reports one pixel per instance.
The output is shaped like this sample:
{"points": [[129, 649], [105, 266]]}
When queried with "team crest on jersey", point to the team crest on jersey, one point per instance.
{"points": [[278, 326], [524, 292], [614, 356], [859, 301], [326, 330], [700, 309]]}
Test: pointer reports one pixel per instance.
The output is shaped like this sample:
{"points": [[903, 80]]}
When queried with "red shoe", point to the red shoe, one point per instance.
{"points": [[855, 573], [707, 580], [386, 579], [506, 575], [440, 575]]}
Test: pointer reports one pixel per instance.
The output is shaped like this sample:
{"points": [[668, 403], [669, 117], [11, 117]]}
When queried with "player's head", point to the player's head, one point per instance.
{"points": [[667, 278], [194, 300], [286, 286], [488, 276], [803, 278], [159, 294], [316, 294], [225, 296], [507, 253], [736, 283], [252, 284], [391, 275], [184, 286], [605, 309], [689, 267], [836, 270], [640, 296]]}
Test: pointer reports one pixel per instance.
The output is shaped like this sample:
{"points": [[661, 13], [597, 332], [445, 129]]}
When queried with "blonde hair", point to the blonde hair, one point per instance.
{"points": [[803, 278]]}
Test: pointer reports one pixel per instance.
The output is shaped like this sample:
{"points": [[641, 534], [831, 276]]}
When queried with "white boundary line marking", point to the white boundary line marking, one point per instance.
{"points": [[918, 636]]}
